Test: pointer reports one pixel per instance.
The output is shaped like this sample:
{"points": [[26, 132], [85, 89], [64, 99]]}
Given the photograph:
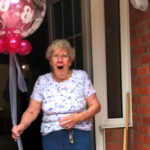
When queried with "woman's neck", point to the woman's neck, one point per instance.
{"points": [[61, 79]]}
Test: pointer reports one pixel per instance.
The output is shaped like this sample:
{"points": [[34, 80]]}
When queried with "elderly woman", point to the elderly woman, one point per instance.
{"points": [[63, 96]]}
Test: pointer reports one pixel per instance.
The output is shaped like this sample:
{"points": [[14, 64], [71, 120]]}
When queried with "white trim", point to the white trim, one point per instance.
{"points": [[99, 66], [115, 126], [86, 36], [125, 56]]}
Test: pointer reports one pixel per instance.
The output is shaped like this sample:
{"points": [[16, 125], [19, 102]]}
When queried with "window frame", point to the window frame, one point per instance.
{"points": [[86, 33], [102, 121]]}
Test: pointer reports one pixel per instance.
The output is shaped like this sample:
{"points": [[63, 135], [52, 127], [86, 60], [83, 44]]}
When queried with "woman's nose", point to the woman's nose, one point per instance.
{"points": [[59, 58]]}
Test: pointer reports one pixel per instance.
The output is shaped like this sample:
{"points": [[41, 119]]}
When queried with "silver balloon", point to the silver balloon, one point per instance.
{"points": [[40, 10], [21, 17]]}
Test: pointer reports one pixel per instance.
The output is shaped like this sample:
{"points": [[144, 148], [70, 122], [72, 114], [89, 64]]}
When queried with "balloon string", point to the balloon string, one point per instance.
{"points": [[13, 90], [21, 82]]}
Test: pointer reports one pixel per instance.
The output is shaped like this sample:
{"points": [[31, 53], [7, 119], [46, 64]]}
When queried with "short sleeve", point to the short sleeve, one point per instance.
{"points": [[88, 87], [37, 91]]}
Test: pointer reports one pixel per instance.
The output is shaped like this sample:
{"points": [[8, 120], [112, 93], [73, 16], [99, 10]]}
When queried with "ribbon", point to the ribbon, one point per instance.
{"points": [[14, 65]]}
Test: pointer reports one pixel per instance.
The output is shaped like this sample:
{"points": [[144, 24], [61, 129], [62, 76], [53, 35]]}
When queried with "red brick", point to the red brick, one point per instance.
{"points": [[144, 16], [143, 38], [146, 140], [130, 137], [117, 134], [135, 21], [146, 120], [135, 91], [146, 59], [141, 50], [143, 147], [135, 128], [109, 135], [143, 90], [133, 53], [145, 100], [134, 72], [135, 109], [114, 146], [144, 110], [129, 145], [136, 81], [136, 100], [143, 129], [147, 37], [135, 42], [143, 70], [133, 12], [135, 146], [148, 24], [140, 29], [136, 62], [137, 119], [133, 33], [146, 80], [149, 47], [138, 138]]}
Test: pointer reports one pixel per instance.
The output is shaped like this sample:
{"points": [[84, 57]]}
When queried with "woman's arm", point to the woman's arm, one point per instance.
{"points": [[27, 118], [93, 108]]}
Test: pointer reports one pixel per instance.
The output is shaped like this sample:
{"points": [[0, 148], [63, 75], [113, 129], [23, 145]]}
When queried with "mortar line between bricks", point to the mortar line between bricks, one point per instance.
{"points": [[141, 143]]}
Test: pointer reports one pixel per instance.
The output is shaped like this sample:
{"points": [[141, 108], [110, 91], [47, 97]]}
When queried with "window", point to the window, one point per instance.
{"points": [[66, 24], [69, 19], [113, 58], [110, 49]]}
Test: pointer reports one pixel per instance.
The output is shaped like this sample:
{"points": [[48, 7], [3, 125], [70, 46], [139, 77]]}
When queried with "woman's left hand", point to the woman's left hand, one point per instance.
{"points": [[71, 120]]}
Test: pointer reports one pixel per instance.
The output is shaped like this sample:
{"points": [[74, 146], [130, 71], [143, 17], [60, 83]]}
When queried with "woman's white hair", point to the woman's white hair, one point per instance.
{"points": [[60, 44]]}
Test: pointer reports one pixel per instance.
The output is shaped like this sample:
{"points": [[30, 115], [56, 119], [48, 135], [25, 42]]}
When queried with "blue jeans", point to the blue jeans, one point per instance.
{"points": [[59, 140]]}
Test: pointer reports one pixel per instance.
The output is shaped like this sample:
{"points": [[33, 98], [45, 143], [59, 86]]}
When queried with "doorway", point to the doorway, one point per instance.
{"points": [[70, 20], [38, 65], [6, 142]]}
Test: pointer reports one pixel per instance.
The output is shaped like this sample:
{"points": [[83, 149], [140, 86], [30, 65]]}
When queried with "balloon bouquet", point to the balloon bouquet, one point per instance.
{"points": [[18, 19]]}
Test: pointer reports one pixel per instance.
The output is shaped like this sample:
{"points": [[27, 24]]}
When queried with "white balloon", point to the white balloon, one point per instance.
{"points": [[140, 4], [27, 15], [4, 5]]}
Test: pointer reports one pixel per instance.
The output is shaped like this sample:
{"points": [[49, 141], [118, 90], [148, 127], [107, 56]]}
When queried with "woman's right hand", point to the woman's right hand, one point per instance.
{"points": [[16, 131]]}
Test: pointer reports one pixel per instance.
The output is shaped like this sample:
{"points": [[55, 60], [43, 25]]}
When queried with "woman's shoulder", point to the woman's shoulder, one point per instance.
{"points": [[80, 72], [45, 77]]}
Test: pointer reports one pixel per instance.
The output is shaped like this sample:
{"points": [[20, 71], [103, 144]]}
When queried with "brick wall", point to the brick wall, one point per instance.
{"points": [[114, 139], [139, 135], [140, 60]]}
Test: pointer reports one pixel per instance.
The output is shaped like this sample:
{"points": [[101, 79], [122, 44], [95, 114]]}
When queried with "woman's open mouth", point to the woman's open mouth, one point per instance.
{"points": [[60, 67]]}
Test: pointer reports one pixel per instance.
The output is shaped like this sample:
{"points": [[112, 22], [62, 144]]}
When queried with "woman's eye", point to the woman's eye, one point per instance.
{"points": [[55, 56], [64, 56]]}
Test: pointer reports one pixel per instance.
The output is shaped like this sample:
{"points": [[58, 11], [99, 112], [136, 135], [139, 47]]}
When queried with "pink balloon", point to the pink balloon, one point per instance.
{"points": [[25, 48], [2, 45], [12, 44], [6, 52]]}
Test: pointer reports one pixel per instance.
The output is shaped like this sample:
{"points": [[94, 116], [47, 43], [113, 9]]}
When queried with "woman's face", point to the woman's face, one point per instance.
{"points": [[60, 61]]}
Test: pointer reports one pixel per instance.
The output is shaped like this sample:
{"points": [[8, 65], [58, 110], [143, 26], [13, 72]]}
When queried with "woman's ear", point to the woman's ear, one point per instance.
{"points": [[50, 61], [70, 63]]}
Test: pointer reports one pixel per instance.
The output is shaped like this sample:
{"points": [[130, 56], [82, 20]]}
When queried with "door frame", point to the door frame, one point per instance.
{"points": [[102, 121]]}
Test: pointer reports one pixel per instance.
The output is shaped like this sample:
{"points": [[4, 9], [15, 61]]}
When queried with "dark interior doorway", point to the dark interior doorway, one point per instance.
{"points": [[38, 65]]}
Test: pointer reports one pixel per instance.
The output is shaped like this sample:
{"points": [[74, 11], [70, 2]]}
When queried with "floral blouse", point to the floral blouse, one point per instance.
{"points": [[60, 99]]}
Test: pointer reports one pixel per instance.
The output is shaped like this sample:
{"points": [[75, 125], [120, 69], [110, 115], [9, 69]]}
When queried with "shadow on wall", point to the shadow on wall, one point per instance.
{"points": [[4, 74]]}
